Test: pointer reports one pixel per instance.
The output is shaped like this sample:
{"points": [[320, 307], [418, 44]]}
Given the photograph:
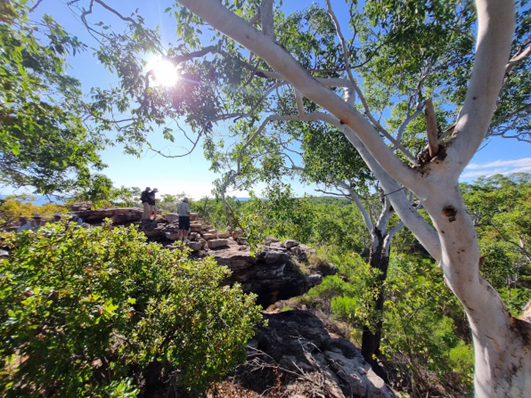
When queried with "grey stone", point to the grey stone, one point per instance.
{"points": [[270, 239], [235, 259], [153, 233], [236, 234], [171, 235], [275, 256], [314, 280], [194, 236], [289, 243], [171, 217], [196, 227], [217, 243], [118, 215], [299, 342], [195, 246]]}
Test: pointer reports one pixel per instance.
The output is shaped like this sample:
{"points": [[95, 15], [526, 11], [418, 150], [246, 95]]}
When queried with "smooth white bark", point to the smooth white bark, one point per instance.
{"points": [[496, 21]]}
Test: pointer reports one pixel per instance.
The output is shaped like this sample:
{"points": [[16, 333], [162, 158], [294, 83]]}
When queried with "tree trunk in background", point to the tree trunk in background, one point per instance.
{"points": [[378, 259]]}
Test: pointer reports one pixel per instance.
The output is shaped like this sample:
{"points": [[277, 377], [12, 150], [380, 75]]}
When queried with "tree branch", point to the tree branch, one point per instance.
{"points": [[178, 156], [108, 8], [266, 12], [406, 122], [431, 129], [346, 56], [496, 20], [510, 115], [177, 59], [300, 105], [520, 56], [36, 5]]}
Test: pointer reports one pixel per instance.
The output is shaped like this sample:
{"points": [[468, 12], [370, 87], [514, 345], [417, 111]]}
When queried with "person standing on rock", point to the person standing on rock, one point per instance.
{"points": [[184, 219], [144, 198], [37, 222], [24, 224], [153, 204]]}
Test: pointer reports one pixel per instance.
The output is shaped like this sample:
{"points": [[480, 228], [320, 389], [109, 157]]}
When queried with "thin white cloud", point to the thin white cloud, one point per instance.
{"points": [[524, 162], [503, 167]]}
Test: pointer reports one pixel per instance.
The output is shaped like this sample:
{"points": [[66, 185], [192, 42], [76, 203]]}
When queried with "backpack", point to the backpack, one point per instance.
{"points": [[144, 197]]}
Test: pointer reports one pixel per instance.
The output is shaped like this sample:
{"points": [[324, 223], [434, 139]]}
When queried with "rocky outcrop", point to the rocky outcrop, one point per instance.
{"points": [[81, 206], [296, 347], [273, 273], [119, 215]]}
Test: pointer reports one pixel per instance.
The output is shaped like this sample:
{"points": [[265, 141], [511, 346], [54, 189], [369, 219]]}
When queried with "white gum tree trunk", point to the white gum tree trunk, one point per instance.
{"points": [[502, 343]]}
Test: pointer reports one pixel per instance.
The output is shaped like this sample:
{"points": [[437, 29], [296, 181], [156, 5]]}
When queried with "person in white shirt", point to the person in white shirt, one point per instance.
{"points": [[76, 222], [37, 222], [24, 224]]}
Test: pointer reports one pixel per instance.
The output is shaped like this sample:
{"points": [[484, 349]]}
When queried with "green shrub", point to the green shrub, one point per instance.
{"points": [[345, 308], [417, 330], [349, 296], [89, 312], [461, 357]]}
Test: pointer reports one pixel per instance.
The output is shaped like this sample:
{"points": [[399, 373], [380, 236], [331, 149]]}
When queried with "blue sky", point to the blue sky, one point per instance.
{"points": [[191, 174]]}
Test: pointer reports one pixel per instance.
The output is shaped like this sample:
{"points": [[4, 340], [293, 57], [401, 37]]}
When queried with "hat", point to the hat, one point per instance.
{"points": [[23, 217], [37, 216], [185, 199], [58, 215], [148, 189], [155, 190]]}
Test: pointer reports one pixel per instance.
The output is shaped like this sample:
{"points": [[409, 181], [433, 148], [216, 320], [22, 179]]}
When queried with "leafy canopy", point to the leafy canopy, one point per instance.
{"points": [[43, 141]]}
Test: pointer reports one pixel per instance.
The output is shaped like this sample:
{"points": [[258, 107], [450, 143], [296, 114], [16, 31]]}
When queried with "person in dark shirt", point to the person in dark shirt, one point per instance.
{"points": [[152, 204], [144, 198]]}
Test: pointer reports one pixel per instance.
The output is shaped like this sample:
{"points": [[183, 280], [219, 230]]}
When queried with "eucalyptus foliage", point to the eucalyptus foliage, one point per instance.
{"points": [[44, 143]]}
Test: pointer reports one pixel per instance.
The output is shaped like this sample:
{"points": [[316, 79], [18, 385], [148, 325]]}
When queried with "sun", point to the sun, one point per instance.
{"points": [[165, 73]]}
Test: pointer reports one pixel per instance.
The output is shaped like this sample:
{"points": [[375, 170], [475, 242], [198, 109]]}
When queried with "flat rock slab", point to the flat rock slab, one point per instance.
{"points": [[216, 243], [289, 243], [118, 215], [195, 246], [235, 259], [196, 227], [171, 235], [171, 217], [153, 233]]}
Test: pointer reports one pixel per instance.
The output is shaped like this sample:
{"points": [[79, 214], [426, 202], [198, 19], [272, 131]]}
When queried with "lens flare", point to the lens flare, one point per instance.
{"points": [[165, 73]]}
